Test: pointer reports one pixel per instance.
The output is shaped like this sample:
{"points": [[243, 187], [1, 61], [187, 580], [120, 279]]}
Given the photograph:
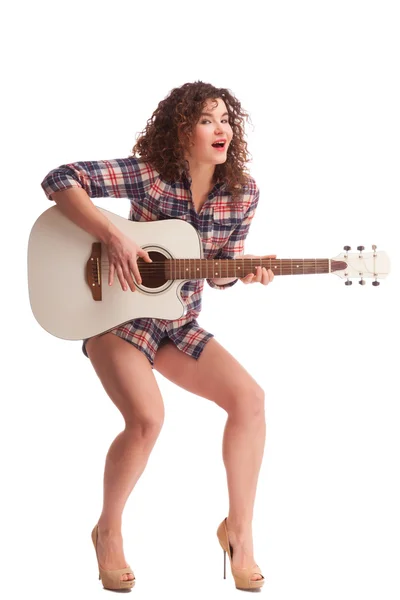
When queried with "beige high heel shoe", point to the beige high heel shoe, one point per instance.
{"points": [[111, 580], [240, 575]]}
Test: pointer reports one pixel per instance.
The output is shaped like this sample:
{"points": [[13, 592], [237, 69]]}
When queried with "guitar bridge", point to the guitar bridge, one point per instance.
{"points": [[93, 271]]}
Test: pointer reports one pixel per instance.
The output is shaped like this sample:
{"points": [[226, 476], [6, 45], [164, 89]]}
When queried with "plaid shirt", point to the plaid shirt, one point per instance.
{"points": [[222, 224]]}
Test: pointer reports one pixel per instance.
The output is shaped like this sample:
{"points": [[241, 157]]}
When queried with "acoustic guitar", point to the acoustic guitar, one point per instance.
{"points": [[68, 272]]}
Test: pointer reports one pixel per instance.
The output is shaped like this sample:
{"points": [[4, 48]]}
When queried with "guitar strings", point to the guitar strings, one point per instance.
{"points": [[279, 267], [163, 267], [221, 273], [150, 267], [162, 271], [293, 260], [204, 267]]}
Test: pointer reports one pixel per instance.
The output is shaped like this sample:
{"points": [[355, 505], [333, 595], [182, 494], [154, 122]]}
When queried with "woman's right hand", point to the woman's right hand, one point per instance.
{"points": [[122, 257]]}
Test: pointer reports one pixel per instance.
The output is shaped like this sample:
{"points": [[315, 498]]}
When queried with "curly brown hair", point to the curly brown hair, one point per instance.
{"points": [[166, 136]]}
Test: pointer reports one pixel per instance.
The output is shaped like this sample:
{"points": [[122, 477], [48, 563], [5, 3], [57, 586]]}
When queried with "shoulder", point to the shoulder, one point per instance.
{"points": [[137, 175], [140, 167]]}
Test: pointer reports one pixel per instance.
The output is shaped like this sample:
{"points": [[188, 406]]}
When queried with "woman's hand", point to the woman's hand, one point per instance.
{"points": [[263, 275], [122, 256]]}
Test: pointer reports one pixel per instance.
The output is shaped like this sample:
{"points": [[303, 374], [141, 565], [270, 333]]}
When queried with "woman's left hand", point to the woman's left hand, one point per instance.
{"points": [[263, 275]]}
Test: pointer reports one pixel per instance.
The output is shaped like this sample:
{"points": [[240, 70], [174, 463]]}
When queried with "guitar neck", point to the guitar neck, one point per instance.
{"points": [[199, 268]]}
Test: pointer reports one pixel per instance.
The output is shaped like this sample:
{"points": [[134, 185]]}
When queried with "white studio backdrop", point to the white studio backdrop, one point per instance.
{"points": [[320, 81]]}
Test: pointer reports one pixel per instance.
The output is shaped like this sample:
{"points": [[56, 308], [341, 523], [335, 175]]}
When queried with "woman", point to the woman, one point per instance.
{"points": [[188, 163]]}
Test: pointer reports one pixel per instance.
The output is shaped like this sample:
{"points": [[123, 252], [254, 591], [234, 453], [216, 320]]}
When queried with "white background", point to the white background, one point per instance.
{"points": [[321, 83]]}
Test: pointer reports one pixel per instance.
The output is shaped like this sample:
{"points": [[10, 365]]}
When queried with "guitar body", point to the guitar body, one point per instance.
{"points": [[60, 296], [68, 272]]}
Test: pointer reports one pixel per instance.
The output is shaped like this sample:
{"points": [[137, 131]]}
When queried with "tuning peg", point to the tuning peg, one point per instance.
{"points": [[346, 249], [374, 249], [376, 282], [348, 282], [360, 248], [362, 281]]}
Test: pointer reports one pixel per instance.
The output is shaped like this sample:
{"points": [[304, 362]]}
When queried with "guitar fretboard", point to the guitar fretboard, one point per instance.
{"points": [[199, 268]]}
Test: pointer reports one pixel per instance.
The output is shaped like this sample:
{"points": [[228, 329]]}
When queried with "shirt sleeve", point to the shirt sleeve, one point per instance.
{"points": [[117, 178], [234, 246]]}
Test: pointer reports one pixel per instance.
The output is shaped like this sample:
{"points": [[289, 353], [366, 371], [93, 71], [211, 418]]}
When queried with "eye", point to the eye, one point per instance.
{"points": [[208, 121]]}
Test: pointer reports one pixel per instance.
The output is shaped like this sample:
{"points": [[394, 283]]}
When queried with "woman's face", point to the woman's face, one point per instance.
{"points": [[213, 126]]}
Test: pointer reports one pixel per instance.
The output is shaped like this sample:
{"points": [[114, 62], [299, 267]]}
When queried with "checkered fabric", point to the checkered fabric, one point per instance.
{"points": [[222, 224]]}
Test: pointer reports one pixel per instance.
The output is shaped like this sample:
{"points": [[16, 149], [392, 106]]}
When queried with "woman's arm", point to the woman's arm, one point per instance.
{"points": [[76, 205], [73, 185], [118, 178]]}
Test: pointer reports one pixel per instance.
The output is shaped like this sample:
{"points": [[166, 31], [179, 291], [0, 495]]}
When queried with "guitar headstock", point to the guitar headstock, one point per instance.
{"points": [[372, 265]]}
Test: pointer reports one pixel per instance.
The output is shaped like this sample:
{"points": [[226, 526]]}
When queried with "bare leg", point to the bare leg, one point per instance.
{"points": [[129, 381], [243, 449], [219, 377]]}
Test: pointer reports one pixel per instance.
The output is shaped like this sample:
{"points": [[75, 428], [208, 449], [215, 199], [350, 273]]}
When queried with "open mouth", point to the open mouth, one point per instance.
{"points": [[219, 145]]}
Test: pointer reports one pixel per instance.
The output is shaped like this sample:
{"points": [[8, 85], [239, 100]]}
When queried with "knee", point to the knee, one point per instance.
{"points": [[249, 403], [146, 426], [256, 402]]}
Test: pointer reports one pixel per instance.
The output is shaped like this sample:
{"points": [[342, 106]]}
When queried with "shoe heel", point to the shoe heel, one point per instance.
{"points": [[111, 578], [241, 576]]}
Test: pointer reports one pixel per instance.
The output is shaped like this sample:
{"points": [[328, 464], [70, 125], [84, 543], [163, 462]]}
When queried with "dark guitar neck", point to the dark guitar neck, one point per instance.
{"points": [[199, 268]]}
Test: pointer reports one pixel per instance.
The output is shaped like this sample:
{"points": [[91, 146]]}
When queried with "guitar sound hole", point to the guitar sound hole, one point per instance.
{"points": [[153, 274]]}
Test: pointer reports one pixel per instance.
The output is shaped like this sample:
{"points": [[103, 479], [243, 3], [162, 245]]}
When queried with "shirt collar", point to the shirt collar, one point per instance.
{"points": [[187, 182]]}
